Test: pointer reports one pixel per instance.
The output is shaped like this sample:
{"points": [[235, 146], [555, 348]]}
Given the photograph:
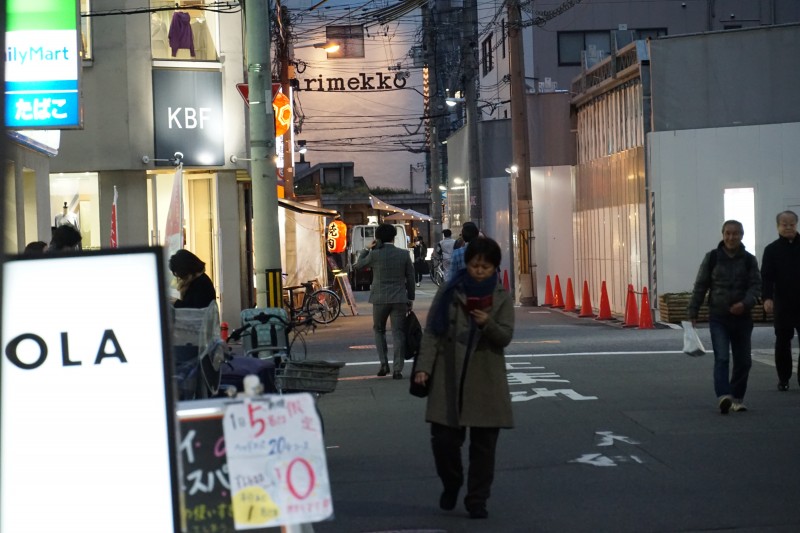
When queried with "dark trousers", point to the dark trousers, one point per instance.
{"points": [[419, 270], [730, 338], [447, 442], [783, 352]]}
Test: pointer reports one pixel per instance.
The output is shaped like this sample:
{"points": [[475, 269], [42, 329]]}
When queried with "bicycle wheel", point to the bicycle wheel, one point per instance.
{"points": [[297, 346], [434, 267], [323, 306]]}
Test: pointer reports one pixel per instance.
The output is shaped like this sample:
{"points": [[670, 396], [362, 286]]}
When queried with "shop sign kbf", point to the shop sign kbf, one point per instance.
{"points": [[188, 116]]}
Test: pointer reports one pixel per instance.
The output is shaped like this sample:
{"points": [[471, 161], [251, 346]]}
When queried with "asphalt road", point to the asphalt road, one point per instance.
{"points": [[616, 431]]}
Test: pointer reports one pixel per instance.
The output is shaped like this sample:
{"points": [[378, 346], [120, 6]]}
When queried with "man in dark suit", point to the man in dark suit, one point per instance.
{"points": [[391, 293]]}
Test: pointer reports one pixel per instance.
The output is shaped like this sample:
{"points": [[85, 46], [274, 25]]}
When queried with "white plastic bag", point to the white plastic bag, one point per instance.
{"points": [[691, 340]]}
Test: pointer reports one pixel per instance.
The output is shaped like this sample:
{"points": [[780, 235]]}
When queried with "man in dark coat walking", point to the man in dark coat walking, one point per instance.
{"points": [[780, 273]]}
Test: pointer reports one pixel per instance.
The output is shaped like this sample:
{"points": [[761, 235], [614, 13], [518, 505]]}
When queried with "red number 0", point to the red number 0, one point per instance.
{"points": [[310, 471]]}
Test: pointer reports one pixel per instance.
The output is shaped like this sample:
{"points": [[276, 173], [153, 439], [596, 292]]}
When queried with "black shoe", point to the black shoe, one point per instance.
{"points": [[783, 386], [383, 371], [397, 375], [478, 511], [448, 500], [725, 404]]}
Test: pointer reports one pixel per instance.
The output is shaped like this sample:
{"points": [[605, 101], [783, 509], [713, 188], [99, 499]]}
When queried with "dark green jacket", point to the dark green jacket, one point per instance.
{"points": [[732, 280], [469, 390]]}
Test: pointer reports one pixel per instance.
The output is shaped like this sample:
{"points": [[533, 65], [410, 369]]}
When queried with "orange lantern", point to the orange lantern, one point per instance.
{"points": [[337, 236], [283, 113]]}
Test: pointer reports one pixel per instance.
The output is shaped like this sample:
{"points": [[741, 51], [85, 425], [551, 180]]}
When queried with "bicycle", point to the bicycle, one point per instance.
{"points": [[293, 373], [437, 270], [292, 346], [320, 303]]}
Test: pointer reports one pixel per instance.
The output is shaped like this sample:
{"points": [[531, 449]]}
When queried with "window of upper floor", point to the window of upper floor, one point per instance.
{"points": [[572, 44], [350, 40], [86, 30], [487, 55], [184, 30]]}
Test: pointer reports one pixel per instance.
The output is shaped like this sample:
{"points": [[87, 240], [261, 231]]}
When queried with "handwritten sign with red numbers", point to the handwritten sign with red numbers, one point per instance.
{"points": [[276, 462]]}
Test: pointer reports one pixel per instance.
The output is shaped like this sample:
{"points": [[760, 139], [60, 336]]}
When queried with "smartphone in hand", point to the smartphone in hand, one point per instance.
{"points": [[479, 302]]}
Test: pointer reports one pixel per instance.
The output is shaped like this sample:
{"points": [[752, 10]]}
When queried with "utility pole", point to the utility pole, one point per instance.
{"points": [[520, 150], [266, 231], [435, 106], [469, 51]]}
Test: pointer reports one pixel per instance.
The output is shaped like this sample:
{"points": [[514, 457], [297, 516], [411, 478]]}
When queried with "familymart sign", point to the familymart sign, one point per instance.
{"points": [[42, 64]]}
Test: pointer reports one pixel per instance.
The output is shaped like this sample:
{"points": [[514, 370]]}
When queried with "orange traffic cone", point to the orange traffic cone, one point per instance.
{"points": [[645, 318], [548, 292], [558, 298], [586, 302], [569, 301], [605, 306], [631, 310], [506, 285]]}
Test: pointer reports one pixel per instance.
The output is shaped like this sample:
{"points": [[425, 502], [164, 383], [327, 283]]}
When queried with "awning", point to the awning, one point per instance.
{"points": [[306, 209], [398, 213], [408, 214]]}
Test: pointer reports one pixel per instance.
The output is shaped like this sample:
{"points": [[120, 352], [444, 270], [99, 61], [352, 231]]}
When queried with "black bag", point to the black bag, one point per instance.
{"points": [[413, 333], [420, 391]]}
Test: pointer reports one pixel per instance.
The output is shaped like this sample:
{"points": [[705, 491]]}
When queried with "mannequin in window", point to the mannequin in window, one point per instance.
{"points": [[67, 218]]}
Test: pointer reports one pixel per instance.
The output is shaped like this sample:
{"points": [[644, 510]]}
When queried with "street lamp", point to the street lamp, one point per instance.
{"points": [[329, 47], [450, 101]]}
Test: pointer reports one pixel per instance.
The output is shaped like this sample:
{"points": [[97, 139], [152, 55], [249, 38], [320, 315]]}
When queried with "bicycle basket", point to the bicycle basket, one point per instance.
{"points": [[308, 376]]}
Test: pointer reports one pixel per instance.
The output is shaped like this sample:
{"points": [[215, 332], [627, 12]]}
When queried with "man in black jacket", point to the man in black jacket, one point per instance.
{"points": [[729, 274], [780, 272]]}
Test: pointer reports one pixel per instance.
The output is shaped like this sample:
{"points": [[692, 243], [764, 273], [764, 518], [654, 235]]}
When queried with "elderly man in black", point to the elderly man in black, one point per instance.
{"points": [[780, 273]]}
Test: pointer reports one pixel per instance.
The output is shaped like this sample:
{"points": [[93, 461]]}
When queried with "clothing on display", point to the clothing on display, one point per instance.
{"points": [[180, 33], [158, 35], [203, 43]]}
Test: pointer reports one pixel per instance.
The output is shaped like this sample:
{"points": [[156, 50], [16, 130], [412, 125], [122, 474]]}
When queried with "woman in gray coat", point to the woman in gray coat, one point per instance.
{"points": [[470, 322]]}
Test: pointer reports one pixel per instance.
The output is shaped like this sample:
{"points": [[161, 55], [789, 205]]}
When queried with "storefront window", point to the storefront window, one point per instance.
{"points": [[74, 200], [86, 29], [198, 208], [188, 33]]}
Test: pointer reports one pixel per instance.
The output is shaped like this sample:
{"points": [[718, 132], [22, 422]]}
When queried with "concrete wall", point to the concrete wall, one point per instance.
{"points": [[734, 78], [689, 171]]}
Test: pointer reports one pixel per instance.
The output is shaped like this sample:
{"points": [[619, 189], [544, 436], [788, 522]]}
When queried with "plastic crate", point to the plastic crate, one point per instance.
{"points": [[308, 376]]}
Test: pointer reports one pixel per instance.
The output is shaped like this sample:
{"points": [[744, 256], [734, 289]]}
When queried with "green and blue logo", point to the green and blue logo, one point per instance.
{"points": [[42, 63]]}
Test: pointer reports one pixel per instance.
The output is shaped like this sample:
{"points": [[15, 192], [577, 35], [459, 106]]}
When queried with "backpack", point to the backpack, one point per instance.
{"points": [[413, 332]]}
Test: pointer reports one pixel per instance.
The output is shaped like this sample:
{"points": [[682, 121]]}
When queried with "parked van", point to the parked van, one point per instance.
{"points": [[360, 237]]}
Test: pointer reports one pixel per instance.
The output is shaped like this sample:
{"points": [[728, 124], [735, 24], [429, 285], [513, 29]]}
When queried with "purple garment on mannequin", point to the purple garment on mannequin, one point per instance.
{"points": [[180, 33]]}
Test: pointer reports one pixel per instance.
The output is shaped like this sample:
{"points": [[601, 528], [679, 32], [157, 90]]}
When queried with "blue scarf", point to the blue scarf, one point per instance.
{"points": [[439, 315]]}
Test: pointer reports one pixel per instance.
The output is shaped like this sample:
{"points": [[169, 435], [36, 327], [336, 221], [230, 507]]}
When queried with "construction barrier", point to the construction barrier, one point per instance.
{"points": [[548, 293], [645, 318], [631, 310], [586, 302], [558, 297], [569, 299], [605, 305]]}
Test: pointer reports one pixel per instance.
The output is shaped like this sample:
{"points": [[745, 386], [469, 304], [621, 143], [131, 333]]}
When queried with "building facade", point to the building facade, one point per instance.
{"points": [[595, 215]]}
